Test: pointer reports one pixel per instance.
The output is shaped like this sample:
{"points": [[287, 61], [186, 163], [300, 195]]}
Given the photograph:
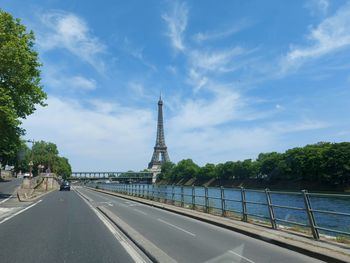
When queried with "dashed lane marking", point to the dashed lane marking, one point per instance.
{"points": [[177, 227], [238, 255], [141, 212]]}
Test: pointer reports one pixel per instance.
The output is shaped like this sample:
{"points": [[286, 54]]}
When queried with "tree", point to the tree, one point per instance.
{"points": [[20, 89], [167, 171], [44, 153], [208, 171], [186, 169], [62, 167]]}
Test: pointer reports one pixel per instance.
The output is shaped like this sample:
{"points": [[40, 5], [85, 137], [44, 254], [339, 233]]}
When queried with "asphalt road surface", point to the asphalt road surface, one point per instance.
{"points": [[8, 187], [188, 240], [64, 227], [59, 228]]}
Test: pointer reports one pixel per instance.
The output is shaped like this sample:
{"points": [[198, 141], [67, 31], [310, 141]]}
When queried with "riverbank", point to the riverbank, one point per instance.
{"points": [[260, 184]]}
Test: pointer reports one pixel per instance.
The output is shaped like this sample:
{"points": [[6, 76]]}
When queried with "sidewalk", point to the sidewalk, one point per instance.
{"points": [[322, 250]]}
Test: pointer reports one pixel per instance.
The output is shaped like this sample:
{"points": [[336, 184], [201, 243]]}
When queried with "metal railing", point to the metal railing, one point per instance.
{"points": [[265, 210]]}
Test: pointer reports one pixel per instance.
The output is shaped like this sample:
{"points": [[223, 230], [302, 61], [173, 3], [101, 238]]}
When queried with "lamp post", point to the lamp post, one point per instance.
{"points": [[31, 168], [40, 168], [31, 159]]}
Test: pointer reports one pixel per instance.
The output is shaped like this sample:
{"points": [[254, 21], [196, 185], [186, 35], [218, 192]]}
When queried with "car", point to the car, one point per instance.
{"points": [[65, 186]]}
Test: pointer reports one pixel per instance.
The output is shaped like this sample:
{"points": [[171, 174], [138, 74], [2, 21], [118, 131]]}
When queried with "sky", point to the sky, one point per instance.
{"points": [[237, 78]]}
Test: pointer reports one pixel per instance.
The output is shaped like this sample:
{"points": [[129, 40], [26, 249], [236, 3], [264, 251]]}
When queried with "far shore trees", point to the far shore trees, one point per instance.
{"points": [[324, 163]]}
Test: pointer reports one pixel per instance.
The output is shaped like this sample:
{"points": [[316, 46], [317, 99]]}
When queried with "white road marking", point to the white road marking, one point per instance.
{"points": [[17, 213], [179, 228], [247, 259], [141, 212], [131, 251], [3, 201]]}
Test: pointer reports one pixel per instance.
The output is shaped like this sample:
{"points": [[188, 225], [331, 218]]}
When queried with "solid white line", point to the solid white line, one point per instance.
{"points": [[247, 259], [140, 211], [179, 228], [130, 250], [3, 201], [17, 213]]}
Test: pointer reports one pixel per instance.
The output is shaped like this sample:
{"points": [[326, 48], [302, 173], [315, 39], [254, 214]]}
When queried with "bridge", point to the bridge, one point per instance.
{"points": [[124, 177]]}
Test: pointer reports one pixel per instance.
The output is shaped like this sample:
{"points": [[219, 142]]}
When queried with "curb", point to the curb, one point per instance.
{"points": [[279, 243], [34, 198]]}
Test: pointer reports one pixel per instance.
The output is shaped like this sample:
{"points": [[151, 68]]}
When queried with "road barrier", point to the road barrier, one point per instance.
{"points": [[306, 212]]}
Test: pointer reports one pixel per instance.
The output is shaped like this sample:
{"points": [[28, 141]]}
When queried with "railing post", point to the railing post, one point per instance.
{"points": [[166, 194], [182, 196], [143, 191], [223, 203], [206, 199], [310, 215], [152, 196], [244, 206], [173, 194], [270, 208], [193, 198]]}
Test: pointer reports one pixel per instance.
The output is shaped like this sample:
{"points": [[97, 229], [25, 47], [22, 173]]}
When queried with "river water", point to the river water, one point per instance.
{"points": [[233, 203]]}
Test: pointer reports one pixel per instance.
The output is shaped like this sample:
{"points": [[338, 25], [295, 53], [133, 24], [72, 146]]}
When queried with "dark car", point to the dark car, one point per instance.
{"points": [[65, 186]]}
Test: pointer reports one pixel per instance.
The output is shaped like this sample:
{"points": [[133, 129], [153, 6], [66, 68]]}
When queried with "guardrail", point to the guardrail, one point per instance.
{"points": [[250, 204]]}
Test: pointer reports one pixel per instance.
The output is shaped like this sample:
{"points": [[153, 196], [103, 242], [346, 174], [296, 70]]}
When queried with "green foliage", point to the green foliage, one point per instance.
{"points": [[208, 171], [22, 158], [167, 171], [20, 89], [185, 169], [327, 163], [46, 154], [62, 167]]}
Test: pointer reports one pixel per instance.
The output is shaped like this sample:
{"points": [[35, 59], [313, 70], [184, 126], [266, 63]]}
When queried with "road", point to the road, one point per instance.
{"points": [[8, 187], [60, 228], [188, 240], [65, 227]]}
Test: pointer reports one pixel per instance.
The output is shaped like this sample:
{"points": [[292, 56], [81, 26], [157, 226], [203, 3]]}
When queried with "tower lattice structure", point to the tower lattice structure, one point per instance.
{"points": [[160, 153]]}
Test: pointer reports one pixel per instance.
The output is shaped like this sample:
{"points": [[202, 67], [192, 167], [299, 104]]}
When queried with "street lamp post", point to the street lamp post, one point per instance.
{"points": [[31, 168], [31, 159], [40, 168]]}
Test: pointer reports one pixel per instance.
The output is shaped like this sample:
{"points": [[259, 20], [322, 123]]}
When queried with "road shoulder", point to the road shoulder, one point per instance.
{"points": [[316, 249]]}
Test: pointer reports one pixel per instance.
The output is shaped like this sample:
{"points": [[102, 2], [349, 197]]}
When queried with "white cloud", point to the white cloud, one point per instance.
{"points": [[201, 113], [197, 80], [177, 23], [216, 60], [331, 35], [214, 144], [81, 83], [137, 53], [66, 30], [105, 136], [317, 6], [218, 34], [53, 77]]}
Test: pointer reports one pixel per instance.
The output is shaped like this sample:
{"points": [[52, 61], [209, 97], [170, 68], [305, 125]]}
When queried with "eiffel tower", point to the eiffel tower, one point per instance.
{"points": [[160, 153]]}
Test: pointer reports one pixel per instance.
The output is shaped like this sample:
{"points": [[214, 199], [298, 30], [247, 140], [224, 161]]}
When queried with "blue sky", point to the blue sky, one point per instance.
{"points": [[237, 78]]}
